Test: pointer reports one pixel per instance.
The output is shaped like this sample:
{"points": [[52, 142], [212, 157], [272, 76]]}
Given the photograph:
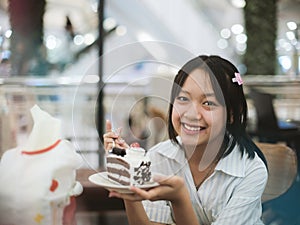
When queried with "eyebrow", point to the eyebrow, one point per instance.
{"points": [[205, 94]]}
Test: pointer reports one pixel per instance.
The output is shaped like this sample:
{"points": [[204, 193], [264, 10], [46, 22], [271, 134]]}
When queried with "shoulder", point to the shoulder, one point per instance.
{"points": [[255, 175], [248, 176], [257, 166], [255, 163], [240, 164]]}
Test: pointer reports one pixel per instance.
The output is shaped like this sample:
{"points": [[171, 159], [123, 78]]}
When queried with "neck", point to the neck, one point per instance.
{"points": [[194, 154], [203, 155]]}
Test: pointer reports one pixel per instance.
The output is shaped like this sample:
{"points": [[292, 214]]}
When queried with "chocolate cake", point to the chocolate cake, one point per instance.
{"points": [[128, 166]]}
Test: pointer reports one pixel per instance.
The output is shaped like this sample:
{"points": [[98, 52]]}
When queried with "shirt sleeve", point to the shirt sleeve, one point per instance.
{"points": [[158, 211], [244, 207]]}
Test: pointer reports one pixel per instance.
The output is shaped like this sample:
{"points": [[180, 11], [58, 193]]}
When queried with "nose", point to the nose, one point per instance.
{"points": [[194, 112]]}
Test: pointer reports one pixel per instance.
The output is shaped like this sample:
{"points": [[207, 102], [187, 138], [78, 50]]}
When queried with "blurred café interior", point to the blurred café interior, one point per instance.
{"points": [[85, 61]]}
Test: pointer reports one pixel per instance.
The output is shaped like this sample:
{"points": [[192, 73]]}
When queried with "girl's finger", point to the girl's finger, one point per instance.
{"points": [[145, 194], [121, 142], [110, 135], [131, 197], [113, 194], [108, 143], [108, 126]]}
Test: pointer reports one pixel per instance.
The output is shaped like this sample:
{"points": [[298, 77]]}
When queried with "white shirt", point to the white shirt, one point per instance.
{"points": [[231, 195], [36, 186]]}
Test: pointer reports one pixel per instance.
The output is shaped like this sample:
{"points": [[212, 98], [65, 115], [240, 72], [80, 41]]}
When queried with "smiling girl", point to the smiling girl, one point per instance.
{"points": [[212, 172]]}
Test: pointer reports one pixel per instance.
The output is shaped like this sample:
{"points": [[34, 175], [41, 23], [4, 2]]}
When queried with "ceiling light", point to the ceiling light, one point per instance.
{"points": [[291, 25], [78, 39], [109, 23], [238, 3], [225, 33], [285, 62], [290, 35], [241, 47], [89, 39], [241, 38], [237, 29], [51, 42], [8, 33], [121, 30]]}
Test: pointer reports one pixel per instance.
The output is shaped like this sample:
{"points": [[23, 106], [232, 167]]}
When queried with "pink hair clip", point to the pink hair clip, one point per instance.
{"points": [[237, 79]]}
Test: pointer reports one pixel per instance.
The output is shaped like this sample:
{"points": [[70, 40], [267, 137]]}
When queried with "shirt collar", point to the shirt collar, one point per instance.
{"points": [[233, 164], [172, 151]]}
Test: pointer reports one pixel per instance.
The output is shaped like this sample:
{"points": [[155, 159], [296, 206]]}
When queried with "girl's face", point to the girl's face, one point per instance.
{"points": [[197, 117]]}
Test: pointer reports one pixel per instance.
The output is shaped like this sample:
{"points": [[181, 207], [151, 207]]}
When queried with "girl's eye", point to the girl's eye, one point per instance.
{"points": [[182, 98], [209, 103]]}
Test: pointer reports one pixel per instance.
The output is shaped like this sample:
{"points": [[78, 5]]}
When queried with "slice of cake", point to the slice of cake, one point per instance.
{"points": [[128, 167]]}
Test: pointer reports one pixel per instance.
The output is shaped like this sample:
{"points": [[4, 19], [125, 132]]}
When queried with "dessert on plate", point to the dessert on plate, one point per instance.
{"points": [[129, 166]]}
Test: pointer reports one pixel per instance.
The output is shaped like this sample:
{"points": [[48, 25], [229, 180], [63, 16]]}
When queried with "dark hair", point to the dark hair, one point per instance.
{"points": [[228, 93]]}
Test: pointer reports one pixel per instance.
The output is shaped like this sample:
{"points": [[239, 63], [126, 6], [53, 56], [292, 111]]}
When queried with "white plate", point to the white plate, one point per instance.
{"points": [[102, 180]]}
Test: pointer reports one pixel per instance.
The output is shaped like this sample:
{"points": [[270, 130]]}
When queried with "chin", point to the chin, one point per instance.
{"points": [[190, 142]]}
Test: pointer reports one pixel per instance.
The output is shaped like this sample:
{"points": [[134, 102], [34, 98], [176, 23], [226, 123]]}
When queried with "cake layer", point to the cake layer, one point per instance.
{"points": [[119, 161], [119, 179], [118, 170]]}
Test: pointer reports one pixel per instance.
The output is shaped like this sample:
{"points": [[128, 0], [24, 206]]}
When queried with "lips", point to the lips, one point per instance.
{"points": [[192, 128]]}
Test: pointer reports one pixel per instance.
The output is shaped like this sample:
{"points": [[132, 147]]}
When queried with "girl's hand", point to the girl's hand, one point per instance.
{"points": [[113, 139], [170, 188]]}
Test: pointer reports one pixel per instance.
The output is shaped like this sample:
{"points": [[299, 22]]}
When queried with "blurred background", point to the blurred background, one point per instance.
{"points": [[61, 31], [85, 61], [55, 53]]}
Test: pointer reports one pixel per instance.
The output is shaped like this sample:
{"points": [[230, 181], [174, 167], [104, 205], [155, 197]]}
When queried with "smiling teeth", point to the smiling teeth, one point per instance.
{"points": [[192, 128]]}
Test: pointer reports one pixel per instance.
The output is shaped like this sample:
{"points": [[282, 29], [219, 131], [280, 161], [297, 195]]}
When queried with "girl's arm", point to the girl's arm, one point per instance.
{"points": [[172, 189], [136, 214], [184, 212]]}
